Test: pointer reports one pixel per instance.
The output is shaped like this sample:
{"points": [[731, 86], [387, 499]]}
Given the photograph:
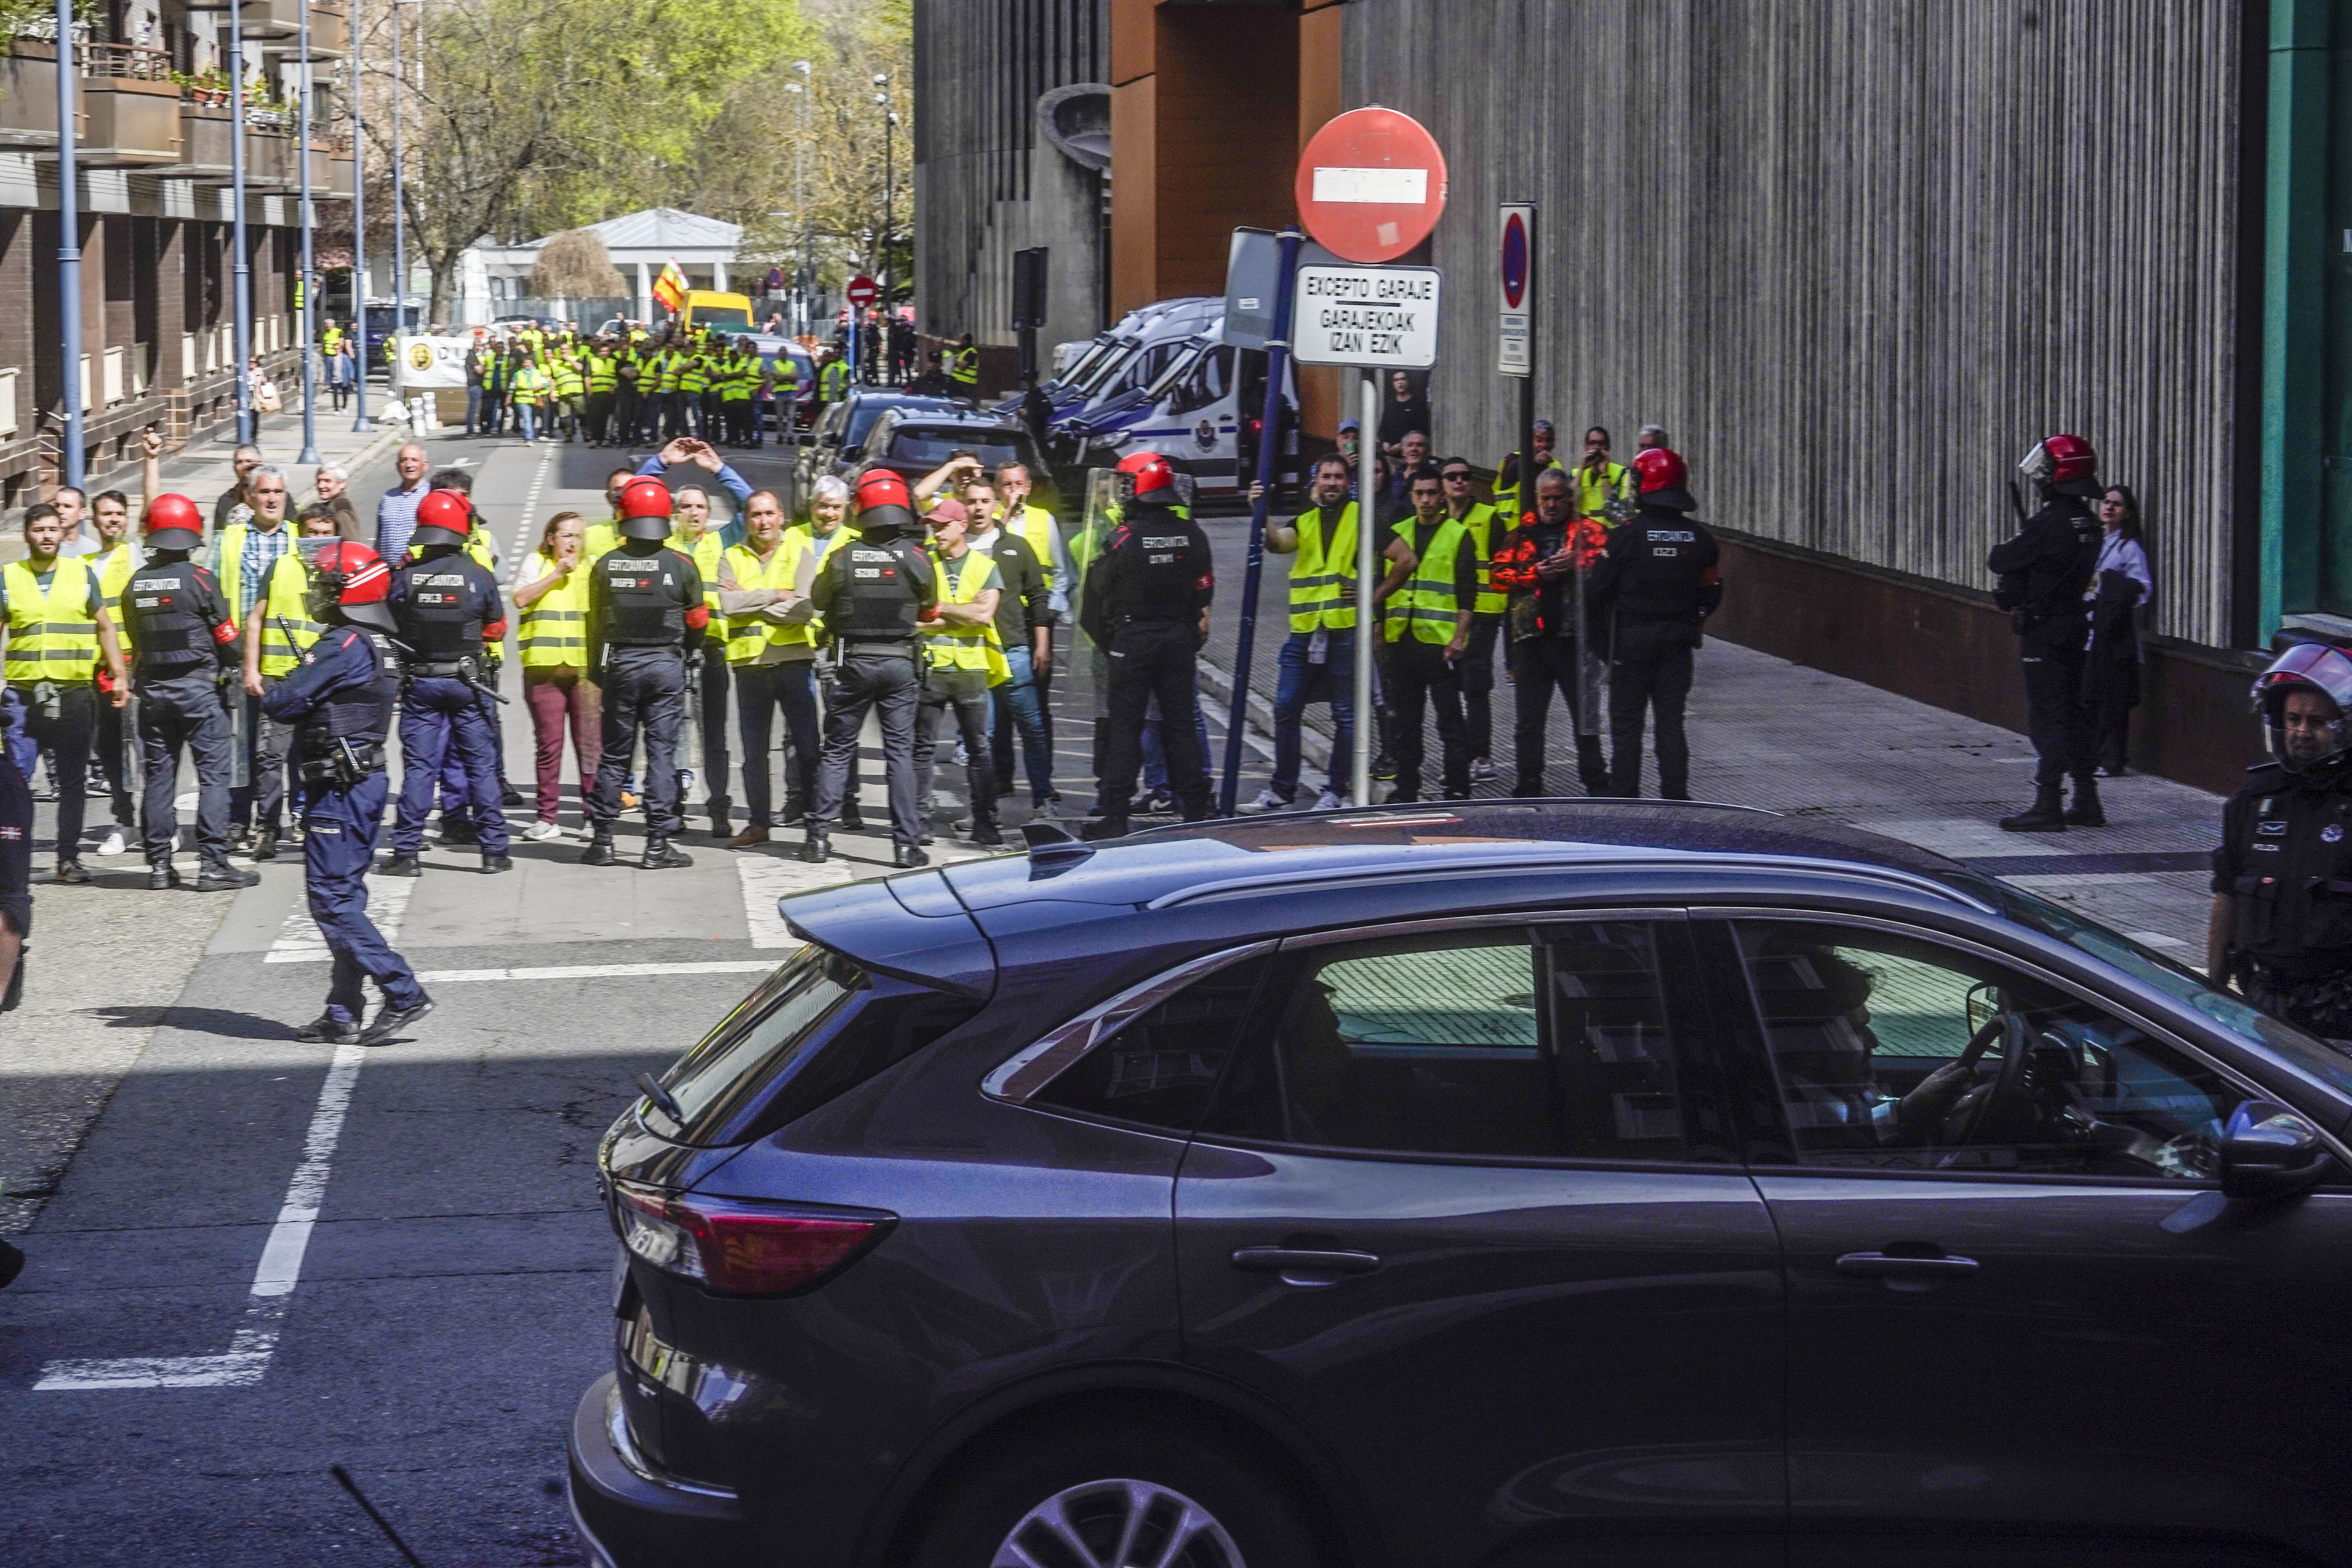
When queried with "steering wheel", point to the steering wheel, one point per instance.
{"points": [[2012, 1030]]}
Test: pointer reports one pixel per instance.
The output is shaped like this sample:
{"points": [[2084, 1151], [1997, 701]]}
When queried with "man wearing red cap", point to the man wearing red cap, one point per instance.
{"points": [[183, 637], [646, 617], [873, 594]]}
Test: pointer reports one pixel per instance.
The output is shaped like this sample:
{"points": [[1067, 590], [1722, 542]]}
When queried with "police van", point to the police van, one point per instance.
{"points": [[1202, 410], [1128, 357]]}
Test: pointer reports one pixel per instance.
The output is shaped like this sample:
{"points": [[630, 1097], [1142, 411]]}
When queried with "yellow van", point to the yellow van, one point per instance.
{"points": [[719, 313]]}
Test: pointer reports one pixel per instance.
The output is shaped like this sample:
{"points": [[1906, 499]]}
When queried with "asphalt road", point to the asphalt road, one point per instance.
{"points": [[188, 1351]]}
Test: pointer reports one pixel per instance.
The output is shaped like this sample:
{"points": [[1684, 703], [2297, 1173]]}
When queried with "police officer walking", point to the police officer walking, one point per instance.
{"points": [[339, 700], [1147, 607], [183, 637], [447, 607], [873, 592], [2042, 572], [645, 621], [2280, 930], [1656, 583]]}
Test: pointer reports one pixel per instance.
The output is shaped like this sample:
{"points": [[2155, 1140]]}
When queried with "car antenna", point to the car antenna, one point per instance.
{"points": [[1054, 846]]}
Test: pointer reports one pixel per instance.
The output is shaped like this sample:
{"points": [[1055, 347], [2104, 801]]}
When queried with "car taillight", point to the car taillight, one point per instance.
{"points": [[740, 1248]]}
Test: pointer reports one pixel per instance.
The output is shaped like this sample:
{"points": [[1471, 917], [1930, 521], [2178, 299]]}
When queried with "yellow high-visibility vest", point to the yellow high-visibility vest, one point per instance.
{"points": [[955, 647], [52, 636], [749, 636], [704, 552], [1426, 604], [554, 627], [1483, 524], [114, 568], [1319, 569], [286, 596]]}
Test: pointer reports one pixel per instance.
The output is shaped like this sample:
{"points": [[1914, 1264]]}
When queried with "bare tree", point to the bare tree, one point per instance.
{"points": [[574, 265]]}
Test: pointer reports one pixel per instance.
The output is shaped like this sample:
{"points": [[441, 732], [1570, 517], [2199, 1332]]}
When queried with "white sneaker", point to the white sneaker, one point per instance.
{"points": [[1480, 769], [1328, 801], [113, 843], [1267, 801], [541, 832], [1048, 809]]}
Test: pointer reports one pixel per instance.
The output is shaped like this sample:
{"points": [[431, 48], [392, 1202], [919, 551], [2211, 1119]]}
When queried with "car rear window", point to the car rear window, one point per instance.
{"points": [[815, 1029], [935, 446]]}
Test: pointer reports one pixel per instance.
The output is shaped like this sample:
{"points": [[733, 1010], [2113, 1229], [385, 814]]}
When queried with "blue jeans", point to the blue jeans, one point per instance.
{"points": [[527, 416], [1017, 702], [1297, 684], [1155, 755], [473, 407]]}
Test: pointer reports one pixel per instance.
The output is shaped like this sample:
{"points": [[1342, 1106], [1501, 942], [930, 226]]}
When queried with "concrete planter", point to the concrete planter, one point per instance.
{"points": [[29, 94], [129, 125]]}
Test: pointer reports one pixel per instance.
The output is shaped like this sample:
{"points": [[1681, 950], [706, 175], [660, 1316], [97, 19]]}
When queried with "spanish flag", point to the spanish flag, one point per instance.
{"points": [[670, 289]]}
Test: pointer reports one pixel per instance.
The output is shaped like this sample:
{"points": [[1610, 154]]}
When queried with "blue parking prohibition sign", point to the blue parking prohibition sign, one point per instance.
{"points": [[1515, 262]]}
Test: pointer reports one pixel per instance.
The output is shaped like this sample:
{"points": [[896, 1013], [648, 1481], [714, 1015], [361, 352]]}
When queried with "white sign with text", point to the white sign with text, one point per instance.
{"points": [[1382, 317]]}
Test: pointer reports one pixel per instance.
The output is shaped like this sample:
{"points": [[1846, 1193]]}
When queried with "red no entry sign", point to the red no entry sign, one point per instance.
{"points": [[1371, 184], [861, 291]]}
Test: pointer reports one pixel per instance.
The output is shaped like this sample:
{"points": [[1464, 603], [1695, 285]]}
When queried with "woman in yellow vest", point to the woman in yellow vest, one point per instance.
{"points": [[962, 660], [551, 594], [532, 391], [764, 589], [58, 631]]}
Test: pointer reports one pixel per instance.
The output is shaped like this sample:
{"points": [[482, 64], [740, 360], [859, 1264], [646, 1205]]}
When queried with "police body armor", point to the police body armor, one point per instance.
{"points": [[168, 634], [644, 598], [2294, 894], [1167, 586], [340, 740], [881, 607], [441, 617]]}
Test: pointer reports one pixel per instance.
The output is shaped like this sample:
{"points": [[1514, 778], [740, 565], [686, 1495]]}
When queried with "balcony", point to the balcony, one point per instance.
{"points": [[271, 18], [330, 35], [130, 115], [29, 93], [204, 145], [269, 160]]}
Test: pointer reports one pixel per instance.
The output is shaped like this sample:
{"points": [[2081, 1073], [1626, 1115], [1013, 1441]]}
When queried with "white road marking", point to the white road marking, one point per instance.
{"points": [[250, 1349], [765, 879], [300, 942], [596, 970], [524, 542]]}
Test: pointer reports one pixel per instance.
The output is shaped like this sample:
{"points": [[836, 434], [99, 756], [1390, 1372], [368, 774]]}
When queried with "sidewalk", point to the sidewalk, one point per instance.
{"points": [[1765, 733]]}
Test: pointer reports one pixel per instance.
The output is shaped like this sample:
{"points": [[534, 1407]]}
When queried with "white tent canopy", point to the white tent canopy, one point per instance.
{"points": [[640, 244]]}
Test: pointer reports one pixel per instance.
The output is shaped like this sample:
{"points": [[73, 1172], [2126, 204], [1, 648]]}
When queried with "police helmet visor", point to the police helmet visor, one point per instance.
{"points": [[2312, 665]]}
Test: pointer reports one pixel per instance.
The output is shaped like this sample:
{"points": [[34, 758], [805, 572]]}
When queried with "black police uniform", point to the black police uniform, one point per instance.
{"points": [[871, 591], [446, 604], [1657, 583], [2285, 859], [1145, 595], [183, 635], [645, 611], [2042, 572]]}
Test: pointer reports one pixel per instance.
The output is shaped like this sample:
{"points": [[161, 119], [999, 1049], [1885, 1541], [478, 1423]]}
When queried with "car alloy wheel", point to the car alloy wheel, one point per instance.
{"points": [[1114, 1523]]}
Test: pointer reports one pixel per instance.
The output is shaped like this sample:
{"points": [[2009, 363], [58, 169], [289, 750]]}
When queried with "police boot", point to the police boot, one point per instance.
{"points": [[600, 850], [817, 846], [159, 878], [2085, 812], [323, 1030], [852, 818], [494, 864], [265, 845], [661, 854], [2044, 816], [225, 880], [985, 831], [1104, 827], [402, 865], [906, 855]]}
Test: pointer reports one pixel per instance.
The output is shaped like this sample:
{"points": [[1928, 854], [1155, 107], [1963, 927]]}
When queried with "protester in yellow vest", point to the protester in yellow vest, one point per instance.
{"points": [[57, 632], [962, 658], [242, 553], [551, 595], [117, 557], [1506, 481], [692, 535], [1485, 527], [1427, 623], [1317, 663], [763, 590]]}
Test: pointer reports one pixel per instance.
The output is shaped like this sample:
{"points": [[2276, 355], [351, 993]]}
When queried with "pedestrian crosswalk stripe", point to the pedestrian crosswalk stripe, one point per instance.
{"points": [[299, 941], [765, 879]]}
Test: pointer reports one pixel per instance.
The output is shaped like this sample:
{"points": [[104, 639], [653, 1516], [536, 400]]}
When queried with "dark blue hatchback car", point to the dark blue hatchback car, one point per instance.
{"points": [[1503, 1183]]}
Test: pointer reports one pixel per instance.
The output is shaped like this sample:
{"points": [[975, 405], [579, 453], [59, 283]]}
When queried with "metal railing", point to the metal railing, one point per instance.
{"points": [[135, 62]]}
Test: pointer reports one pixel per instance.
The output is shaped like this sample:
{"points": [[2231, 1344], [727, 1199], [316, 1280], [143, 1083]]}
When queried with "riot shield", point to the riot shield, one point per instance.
{"points": [[1088, 668], [1587, 540]]}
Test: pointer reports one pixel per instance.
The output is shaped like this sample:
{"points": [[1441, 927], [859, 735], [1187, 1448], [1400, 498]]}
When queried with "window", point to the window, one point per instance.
{"points": [[1205, 384], [1159, 1068], [932, 447], [1546, 1043], [1892, 1051]]}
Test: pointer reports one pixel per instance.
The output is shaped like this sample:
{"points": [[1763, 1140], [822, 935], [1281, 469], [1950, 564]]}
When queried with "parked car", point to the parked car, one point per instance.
{"points": [[839, 432], [913, 441], [1511, 1181], [772, 348]]}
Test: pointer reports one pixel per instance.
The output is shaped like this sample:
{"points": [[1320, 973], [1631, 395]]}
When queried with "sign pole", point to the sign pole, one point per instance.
{"points": [[1368, 626], [1269, 441]]}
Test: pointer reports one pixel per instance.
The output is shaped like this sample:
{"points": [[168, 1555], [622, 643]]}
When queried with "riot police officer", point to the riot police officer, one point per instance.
{"points": [[872, 593], [645, 618], [1656, 581], [2282, 919], [340, 701], [2042, 571], [183, 635], [1147, 607], [447, 607]]}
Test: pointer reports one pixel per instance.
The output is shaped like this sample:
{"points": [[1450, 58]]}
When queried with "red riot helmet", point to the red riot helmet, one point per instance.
{"points": [[350, 581], [645, 508], [174, 523], [2312, 667], [2064, 464], [1663, 479], [443, 517], [882, 502], [1151, 478]]}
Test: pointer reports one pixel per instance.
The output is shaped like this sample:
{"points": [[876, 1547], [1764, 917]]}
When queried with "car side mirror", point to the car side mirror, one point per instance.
{"points": [[2268, 1152], [1983, 1004]]}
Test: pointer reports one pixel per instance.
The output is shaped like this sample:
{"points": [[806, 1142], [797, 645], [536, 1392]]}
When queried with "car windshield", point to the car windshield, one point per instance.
{"points": [[722, 318], [2323, 1061], [935, 446]]}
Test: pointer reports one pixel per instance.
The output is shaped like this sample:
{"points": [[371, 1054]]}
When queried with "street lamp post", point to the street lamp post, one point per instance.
{"points": [[358, 234], [241, 269], [889, 188], [399, 216], [807, 283], [308, 289], [68, 251]]}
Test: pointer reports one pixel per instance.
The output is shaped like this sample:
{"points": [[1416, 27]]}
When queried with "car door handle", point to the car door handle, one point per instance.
{"points": [[1902, 1272], [1307, 1268]]}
